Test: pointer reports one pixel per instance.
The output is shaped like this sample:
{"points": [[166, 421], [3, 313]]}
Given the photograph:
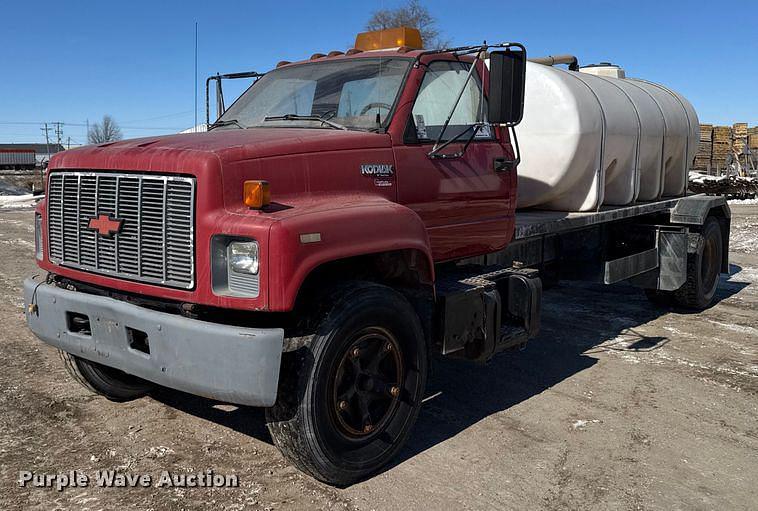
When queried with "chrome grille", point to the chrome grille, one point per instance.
{"points": [[156, 243]]}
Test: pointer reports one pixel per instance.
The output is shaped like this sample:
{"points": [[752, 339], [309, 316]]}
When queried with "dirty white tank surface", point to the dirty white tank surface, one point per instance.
{"points": [[589, 139]]}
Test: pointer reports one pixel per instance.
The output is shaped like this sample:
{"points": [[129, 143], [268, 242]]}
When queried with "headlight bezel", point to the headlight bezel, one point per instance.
{"points": [[38, 248], [239, 281]]}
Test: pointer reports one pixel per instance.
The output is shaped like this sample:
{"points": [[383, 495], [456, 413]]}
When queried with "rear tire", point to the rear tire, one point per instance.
{"points": [[111, 383], [703, 268], [348, 400]]}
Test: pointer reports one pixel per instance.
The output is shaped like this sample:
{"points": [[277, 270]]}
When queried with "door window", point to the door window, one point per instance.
{"points": [[442, 83]]}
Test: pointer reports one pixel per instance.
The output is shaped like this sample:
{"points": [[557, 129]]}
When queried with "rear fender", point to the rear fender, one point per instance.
{"points": [[694, 211]]}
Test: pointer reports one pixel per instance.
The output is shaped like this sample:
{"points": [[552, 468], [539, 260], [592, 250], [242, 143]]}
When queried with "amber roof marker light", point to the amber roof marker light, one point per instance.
{"points": [[389, 38]]}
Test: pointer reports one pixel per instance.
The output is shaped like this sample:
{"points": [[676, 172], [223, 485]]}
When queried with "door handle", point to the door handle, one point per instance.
{"points": [[504, 164]]}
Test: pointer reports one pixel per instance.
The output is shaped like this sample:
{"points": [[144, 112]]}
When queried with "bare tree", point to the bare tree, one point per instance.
{"points": [[105, 131], [413, 15]]}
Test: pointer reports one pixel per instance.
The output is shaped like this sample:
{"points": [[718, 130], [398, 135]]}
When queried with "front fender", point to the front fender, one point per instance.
{"points": [[346, 229]]}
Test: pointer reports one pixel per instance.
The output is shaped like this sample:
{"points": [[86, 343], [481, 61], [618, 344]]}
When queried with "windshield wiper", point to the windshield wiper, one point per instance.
{"points": [[226, 122], [296, 117]]}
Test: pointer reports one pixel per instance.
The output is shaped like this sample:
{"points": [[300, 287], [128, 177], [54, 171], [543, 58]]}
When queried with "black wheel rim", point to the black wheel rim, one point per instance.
{"points": [[367, 384]]}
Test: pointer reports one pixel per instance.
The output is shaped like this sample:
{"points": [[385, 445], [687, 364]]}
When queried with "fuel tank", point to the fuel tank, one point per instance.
{"points": [[593, 137]]}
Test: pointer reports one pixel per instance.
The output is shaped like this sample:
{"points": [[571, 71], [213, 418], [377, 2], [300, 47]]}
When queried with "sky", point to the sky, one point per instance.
{"points": [[73, 62]]}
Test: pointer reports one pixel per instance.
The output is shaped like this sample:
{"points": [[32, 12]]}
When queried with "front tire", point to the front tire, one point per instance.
{"points": [[106, 381], [348, 400]]}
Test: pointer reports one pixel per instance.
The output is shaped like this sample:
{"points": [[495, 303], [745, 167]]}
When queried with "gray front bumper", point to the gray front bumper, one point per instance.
{"points": [[231, 364]]}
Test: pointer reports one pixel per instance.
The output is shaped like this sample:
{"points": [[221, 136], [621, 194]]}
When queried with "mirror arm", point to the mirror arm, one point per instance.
{"points": [[219, 92], [434, 153], [516, 149], [220, 107], [462, 50], [207, 99], [503, 164]]}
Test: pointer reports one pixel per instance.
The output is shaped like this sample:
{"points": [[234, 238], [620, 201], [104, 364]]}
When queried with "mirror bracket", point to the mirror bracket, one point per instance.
{"points": [[220, 107], [502, 164]]}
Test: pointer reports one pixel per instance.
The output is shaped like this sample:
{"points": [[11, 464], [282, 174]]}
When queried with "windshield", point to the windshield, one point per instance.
{"points": [[354, 93]]}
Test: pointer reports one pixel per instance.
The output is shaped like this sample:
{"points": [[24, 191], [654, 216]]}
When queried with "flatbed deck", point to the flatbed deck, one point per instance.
{"points": [[535, 222]]}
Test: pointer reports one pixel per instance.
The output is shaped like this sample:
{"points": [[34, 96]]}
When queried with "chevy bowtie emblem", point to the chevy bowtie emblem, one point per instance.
{"points": [[105, 225]]}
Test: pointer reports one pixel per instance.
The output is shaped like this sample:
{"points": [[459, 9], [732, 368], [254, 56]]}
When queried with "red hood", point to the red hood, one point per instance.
{"points": [[296, 161], [225, 145]]}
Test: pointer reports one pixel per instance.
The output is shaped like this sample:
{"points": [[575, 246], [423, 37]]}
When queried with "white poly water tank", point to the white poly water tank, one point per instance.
{"points": [[588, 139], [650, 144]]}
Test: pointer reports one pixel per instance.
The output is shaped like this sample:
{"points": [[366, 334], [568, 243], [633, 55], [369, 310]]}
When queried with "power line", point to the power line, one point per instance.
{"points": [[176, 114], [84, 125]]}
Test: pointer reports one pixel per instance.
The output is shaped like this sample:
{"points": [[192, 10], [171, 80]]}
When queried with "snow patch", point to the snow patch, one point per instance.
{"points": [[742, 329], [581, 423], [19, 201]]}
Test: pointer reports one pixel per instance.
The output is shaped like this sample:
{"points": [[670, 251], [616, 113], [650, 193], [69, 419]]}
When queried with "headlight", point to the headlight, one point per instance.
{"points": [[38, 236], [243, 257]]}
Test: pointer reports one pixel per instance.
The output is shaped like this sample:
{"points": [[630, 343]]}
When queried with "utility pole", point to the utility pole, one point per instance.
{"points": [[47, 143], [68, 145], [194, 129], [59, 131]]}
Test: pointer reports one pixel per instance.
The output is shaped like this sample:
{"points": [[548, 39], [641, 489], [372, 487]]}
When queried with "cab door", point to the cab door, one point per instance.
{"points": [[466, 204]]}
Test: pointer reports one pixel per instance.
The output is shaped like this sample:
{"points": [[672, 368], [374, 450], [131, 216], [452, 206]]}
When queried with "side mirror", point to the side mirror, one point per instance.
{"points": [[507, 77]]}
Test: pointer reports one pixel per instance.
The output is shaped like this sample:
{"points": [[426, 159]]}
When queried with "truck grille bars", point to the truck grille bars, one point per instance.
{"points": [[132, 226]]}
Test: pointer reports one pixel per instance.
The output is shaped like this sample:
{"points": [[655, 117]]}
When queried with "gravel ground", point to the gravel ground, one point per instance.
{"points": [[616, 405]]}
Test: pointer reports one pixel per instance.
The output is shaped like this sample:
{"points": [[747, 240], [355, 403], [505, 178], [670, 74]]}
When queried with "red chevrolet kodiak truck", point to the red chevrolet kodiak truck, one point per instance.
{"points": [[345, 219]]}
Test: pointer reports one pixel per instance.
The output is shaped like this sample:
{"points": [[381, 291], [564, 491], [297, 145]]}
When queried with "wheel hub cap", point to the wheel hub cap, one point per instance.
{"points": [[367, 384]]}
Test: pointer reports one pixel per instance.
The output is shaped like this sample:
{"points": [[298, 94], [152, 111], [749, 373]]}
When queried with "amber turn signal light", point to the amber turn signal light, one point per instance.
{"points": [[256, 194]]}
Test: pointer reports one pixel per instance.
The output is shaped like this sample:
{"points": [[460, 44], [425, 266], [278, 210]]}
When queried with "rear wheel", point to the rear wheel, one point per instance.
{"points": [[108, 382], [703, 268], [347, 402]]}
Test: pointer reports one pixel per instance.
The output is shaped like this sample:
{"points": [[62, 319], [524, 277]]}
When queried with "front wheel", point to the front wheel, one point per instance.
{"points": [[111, 383], [347, 402]]}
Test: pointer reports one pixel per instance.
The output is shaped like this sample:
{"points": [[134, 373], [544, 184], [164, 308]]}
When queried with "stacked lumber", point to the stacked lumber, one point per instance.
{"points": [[722, 146], [718, 144], [753, 139], [704, 148], [739, 136]]}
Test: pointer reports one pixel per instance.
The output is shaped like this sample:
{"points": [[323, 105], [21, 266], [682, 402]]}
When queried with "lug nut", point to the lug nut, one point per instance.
{"points": [[342, 405], [395, 391], [368, 428], [388, 346], [356, 352]]}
